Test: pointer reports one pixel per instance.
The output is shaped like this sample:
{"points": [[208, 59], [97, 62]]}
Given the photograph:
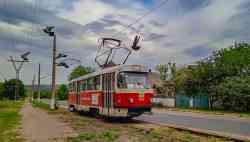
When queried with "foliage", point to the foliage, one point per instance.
{"points": [[167, 75], [44, 94], [162, 68], [222, 76], [235, 93], [2, 90], [41, 105], [80, 71], [62, 92], [10, 87]]}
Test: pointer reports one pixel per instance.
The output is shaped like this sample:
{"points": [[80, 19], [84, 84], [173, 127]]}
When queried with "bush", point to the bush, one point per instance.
{"points": [[62, 92], [2, 90], [234, 93], [10, 88]]}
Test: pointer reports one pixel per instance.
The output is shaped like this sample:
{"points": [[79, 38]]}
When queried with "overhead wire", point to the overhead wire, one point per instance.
{"points": [[142, 17]]}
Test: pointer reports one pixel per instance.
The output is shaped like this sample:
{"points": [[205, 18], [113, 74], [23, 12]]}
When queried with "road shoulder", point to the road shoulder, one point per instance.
{"points": [[39, 126]]}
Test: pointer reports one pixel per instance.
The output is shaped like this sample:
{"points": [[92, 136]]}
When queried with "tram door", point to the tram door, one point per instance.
{"points": [[108, 87], [78, 93]]}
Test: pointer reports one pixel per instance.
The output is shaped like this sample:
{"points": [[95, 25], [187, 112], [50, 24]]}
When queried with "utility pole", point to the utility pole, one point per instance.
{"points": [[39, 83], [18, 69], [33, 88], [53, 97], [50, 31]]}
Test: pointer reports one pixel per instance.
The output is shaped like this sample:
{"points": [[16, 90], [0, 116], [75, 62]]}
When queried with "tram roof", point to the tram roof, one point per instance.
{"points": [[131, 68]]}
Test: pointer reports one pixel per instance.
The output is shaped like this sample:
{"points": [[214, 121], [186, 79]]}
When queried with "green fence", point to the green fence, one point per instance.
{"points": [[197, 101]]}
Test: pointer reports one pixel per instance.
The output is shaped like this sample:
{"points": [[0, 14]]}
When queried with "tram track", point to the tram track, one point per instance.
{"points": [[160, 120]]}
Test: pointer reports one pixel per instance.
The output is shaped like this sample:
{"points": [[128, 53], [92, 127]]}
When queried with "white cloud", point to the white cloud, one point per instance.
{"points": [[86, 11], [204, 26]]}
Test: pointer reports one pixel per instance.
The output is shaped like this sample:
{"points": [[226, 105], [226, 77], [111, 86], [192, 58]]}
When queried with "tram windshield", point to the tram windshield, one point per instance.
{"points": [[132, 80]]}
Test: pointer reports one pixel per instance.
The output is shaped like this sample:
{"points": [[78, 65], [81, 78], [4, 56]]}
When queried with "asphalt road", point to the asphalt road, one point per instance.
{"points": [[223, 126], [217, 125]]}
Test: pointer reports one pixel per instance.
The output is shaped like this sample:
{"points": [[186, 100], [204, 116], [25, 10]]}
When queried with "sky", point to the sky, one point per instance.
{"points": [[180, 31]]}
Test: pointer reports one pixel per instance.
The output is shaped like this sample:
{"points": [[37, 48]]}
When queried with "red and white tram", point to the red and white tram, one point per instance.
{"points": [[120, 91]]}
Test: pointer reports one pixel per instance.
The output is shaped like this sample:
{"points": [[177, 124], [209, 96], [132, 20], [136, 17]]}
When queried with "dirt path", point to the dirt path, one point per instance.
{"points": [[38, 126]]}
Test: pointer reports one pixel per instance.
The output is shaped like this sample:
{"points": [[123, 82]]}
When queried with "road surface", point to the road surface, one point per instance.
{"points": [[229, 127], [210, 124]]}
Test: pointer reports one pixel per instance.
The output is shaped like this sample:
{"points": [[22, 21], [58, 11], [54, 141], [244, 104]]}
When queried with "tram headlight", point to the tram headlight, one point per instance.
{"points": [[131, 100], [151, 100]]}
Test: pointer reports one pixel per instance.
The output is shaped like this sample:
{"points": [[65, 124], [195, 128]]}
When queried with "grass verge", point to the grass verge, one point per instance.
{"points": [[10, 121], [43, 106]]}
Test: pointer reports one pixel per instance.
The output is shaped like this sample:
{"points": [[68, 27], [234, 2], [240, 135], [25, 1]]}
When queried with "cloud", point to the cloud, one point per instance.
{"points": [[180, 31]]}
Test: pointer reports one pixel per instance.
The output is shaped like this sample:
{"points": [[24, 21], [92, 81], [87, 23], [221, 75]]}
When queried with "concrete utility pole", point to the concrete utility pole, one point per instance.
{"points": [[53, 97], [33, 88], [18, 69], [50, 31], [39, 83]]}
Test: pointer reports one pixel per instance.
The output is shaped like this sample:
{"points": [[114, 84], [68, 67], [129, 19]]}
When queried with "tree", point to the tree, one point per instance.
{"points": [[234, 92], [10, 88], [62, 92], [220, 76], [2, 90], [162, 68], [80, 71]]}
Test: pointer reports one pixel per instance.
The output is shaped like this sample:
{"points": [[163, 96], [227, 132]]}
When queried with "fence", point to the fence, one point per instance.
{"points": [[198, 101], [165, 102]]}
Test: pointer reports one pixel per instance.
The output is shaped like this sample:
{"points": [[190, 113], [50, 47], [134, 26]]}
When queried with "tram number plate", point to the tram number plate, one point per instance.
{"points": [[94, 99]]}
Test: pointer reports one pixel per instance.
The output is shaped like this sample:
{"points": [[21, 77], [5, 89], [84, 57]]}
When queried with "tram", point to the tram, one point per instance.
{"points": [[119, 91]]}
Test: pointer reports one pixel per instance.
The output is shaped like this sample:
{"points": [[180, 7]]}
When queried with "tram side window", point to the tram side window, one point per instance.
{"points": [[90, 84], [97, 83], [83, 85], [74, 86]]}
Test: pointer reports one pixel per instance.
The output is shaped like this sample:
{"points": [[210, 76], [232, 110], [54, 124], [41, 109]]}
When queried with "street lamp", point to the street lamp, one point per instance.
{"points": [[50, 31], [63, 64]]}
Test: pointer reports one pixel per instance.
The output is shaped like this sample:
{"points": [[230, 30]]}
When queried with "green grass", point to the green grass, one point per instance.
{"points": [[106, 136], [42, 105], [10, 120]]}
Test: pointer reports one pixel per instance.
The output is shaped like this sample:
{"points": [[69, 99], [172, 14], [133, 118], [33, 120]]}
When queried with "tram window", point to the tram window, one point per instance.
{"points": [[83, 85], [97, 83], [90, 84], [121, 80], [132, 80]]}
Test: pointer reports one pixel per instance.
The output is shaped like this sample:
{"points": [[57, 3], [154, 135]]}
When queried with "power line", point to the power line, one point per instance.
{"points": [[143, 16]]}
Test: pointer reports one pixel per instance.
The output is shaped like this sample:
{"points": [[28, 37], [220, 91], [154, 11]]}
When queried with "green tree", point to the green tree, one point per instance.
{"points": [[215, 75], [162, 68], [2, 90], [234, 92], [62, 92], [80, 71], [10, 88]]}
